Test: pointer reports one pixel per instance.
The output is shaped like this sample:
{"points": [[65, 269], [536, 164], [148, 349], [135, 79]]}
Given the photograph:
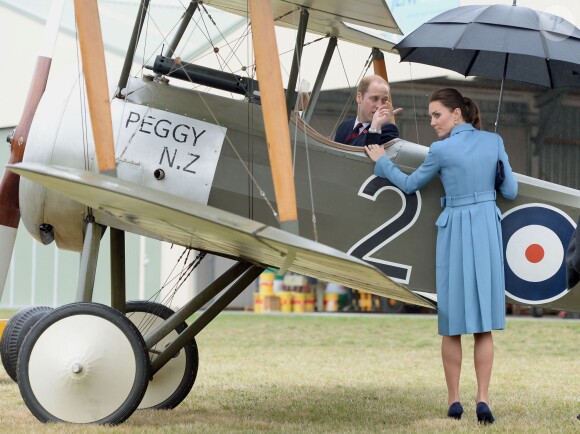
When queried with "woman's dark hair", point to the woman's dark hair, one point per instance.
{"points": [[452, 99]]}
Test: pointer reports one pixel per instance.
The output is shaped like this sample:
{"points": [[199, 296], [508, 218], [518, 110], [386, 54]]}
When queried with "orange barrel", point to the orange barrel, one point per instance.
{"points": [[331, 302], [266, 282], [3, 323], [298, 301], [258, 302], [310, 302], [285, 301], [365, 301]]}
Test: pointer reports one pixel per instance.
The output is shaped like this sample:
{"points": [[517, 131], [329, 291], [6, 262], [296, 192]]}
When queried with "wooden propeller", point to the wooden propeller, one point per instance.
{"points": [[9, 187]]}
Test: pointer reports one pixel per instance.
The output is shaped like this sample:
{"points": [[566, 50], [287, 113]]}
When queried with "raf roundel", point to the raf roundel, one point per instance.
{"points": [[535, 239]]}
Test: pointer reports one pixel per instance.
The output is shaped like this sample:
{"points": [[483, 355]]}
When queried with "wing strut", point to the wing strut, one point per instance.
{"points": [[273, 110], [93, 57], [381, 69], [319, 79], [132, 47], [296, 59]]}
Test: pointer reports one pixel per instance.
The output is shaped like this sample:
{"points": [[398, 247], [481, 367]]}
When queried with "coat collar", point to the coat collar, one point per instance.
{"points": [[462, 127]]}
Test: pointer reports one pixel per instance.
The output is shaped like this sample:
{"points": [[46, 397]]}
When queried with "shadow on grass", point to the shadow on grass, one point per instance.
{"points": [[331, 409]]}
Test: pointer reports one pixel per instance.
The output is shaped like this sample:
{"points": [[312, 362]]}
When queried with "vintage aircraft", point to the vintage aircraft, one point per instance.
{"points": [[186, 167]]}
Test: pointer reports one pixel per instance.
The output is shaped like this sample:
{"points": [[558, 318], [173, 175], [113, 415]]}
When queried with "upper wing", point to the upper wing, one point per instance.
{"points": [[327, 17], [206, 228]]}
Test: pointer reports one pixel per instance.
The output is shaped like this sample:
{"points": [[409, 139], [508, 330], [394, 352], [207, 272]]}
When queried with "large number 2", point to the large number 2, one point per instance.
{"points": [[403, 220]]}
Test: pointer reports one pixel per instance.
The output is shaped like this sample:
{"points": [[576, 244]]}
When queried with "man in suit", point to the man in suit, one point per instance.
{"points": [[372, 95]]}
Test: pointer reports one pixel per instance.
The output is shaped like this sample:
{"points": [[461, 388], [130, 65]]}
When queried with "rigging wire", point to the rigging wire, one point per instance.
{"points": [[200, 94], [250, 111], [212, 114], [159, 46], [239, 42], [146, 31], [297, 104], [147, 322], [232, 51], [247, 69], [207, 35], [83, 114], [82, 103], [309, 171], [352, 92], [223, 65]]}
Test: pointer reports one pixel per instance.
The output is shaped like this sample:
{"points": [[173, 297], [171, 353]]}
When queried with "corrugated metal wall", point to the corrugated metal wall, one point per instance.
{"points": [[559, 140]]}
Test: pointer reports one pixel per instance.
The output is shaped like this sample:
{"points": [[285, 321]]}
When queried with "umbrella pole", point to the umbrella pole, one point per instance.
{"points": [[499, 105], [501, 92]]}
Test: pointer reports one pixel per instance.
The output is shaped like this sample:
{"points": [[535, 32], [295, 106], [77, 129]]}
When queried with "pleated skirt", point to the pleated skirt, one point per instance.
{"points": [[470, 270]]}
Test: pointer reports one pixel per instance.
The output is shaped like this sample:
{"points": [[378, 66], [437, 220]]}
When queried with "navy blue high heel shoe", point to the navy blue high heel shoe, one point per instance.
{"points": [[455, 410], [483, 412]]}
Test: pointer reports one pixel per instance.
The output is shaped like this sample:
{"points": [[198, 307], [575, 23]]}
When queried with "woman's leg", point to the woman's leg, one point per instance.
{"points": [[451, 355], [483, 359]]}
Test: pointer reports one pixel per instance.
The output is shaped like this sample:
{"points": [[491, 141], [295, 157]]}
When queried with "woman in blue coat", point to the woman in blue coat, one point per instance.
{"points": [[470, 273]]}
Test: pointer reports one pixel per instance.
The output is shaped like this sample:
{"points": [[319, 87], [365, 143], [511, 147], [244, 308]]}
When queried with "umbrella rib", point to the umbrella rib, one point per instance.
{"points": [[547, 58], [471, 62], [549, 68]]}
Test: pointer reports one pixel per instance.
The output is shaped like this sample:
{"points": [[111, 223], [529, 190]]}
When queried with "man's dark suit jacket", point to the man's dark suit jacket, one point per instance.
{"points": [[573, 259], [388, 132]]}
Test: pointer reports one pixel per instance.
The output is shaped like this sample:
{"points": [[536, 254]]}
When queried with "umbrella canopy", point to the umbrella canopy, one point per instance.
{"points": [[502, 41]]}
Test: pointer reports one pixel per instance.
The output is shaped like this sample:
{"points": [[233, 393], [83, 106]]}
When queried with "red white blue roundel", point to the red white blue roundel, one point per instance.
{"points": [[535, 239]]}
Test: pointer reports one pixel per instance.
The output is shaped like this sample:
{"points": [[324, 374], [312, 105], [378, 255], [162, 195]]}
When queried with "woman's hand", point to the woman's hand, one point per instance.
{"points": [[375, 151]]}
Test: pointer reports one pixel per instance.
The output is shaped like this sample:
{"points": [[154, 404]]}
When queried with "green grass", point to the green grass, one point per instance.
{"points": [[346, 374]]}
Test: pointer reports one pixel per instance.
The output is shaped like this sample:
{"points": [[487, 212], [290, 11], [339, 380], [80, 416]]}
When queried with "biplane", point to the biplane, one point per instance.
{"points": [[175, 164]]}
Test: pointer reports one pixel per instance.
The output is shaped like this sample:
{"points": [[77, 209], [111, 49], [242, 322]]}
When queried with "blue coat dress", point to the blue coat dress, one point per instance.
{"points": [[470, 263]]}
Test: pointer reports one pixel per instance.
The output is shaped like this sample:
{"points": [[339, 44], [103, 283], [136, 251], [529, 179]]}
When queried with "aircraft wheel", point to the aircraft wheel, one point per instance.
{"points": [[390, 305], [537, 312], [83, 363], [172, 383], [16, 330]]}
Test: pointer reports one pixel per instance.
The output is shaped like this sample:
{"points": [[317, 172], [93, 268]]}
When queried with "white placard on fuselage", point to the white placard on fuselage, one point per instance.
{"points": [[186, 150]]}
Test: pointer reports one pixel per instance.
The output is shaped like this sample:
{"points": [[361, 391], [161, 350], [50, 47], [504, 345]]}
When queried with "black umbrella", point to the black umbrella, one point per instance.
{"points": [[501, 41]]}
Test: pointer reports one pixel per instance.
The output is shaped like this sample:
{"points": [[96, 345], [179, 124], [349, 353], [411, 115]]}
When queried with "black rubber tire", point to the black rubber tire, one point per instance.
{"points": [[190, 351], [14, 333], [49, 325], [390, 305], [537, 312]]}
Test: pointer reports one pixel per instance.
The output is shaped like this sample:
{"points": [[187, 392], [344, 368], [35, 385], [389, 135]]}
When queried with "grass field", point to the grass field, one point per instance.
{"points": [[353, 373]]}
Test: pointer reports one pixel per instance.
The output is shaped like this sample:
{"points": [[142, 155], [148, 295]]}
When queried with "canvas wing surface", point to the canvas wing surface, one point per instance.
{"points": [[210, 229], [328, 17]]}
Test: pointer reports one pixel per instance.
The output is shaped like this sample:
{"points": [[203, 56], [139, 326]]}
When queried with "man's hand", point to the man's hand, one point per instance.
{"points": [[384, 115]]}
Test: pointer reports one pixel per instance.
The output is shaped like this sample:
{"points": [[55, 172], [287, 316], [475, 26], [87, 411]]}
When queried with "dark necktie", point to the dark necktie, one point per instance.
{"points": [[354, 133]]}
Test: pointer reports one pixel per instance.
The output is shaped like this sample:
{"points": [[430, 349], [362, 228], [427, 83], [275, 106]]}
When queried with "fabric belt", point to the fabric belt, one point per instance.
{"points": [[468, 199]]}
